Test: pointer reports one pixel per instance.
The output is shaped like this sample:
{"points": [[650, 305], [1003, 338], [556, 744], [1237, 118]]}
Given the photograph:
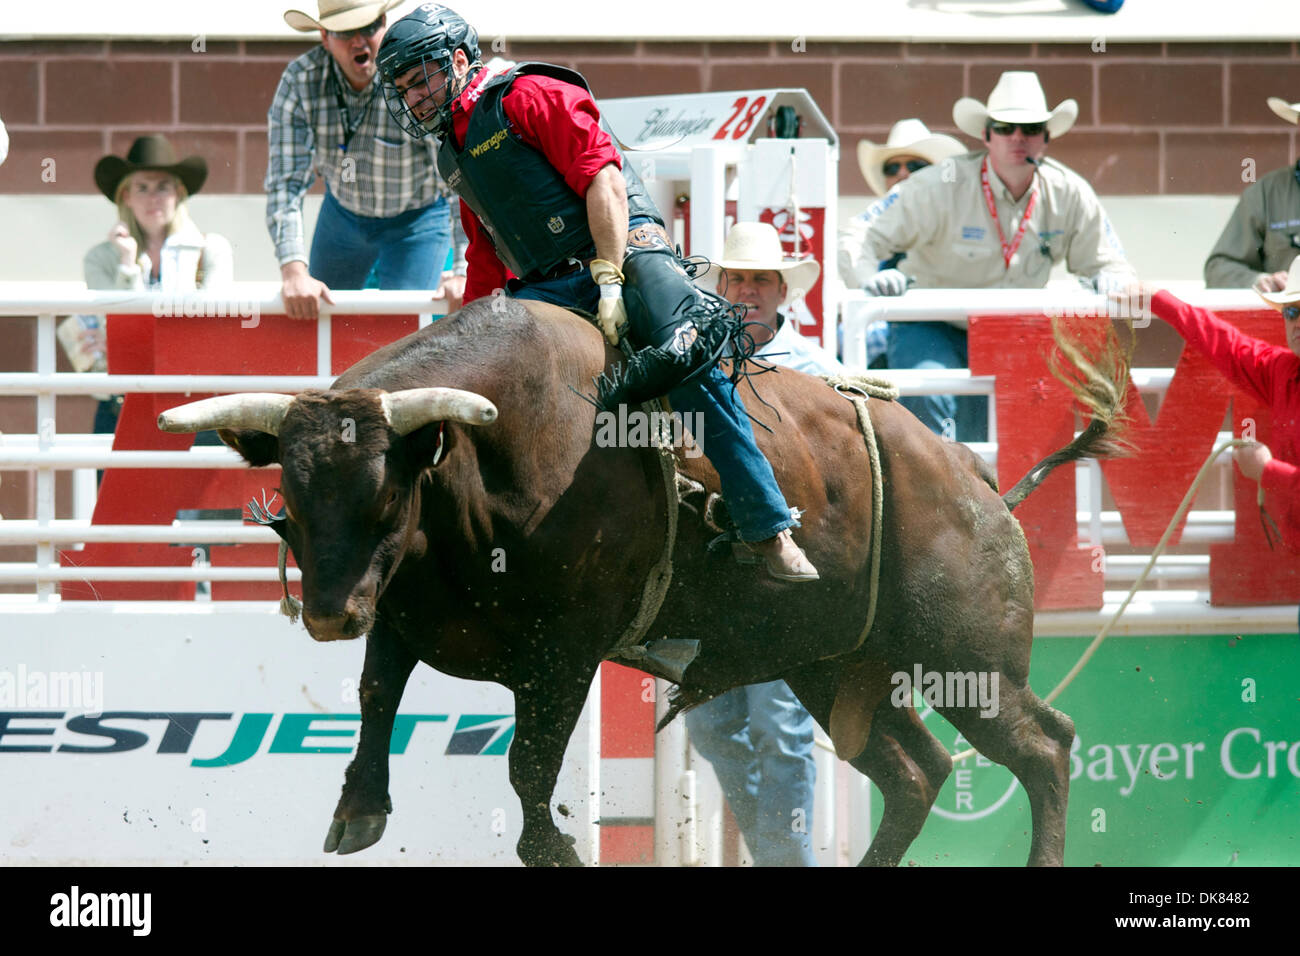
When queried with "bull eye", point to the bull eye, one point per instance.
{"points": [[391, 503]]}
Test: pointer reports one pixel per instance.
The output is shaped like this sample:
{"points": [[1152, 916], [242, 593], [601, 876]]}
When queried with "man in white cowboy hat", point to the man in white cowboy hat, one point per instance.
{"points": [[754, 272], [759, 738], [909, 148], [999, 217], [1262, 237], [385, 210]]}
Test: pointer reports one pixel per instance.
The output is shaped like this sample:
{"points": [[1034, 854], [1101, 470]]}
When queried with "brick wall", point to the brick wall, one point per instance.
{"points": [[1154, 117]]}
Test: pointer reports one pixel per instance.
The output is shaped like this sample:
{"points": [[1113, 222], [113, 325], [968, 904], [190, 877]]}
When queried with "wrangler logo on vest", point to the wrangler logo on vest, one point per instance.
{"points": [[555, 224], [492, 142]]}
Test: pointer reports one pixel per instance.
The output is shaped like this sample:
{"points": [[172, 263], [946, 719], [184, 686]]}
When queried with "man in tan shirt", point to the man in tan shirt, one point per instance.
{"points": [[995, 218], [1263, 236]]}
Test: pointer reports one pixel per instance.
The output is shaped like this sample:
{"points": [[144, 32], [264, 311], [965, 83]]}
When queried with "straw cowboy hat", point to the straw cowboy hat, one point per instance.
{"points": [[1018, 98], [756, 245], [340, 15], [909, 137], [1288, 111], [1291, 293], [150, 152]]}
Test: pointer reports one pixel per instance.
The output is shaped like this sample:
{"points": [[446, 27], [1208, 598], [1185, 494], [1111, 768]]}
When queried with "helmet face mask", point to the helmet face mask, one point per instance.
{"points": [[421, 104], [418, 50]]}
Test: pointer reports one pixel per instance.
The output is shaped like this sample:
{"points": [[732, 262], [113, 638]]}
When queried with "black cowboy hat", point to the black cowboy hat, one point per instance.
{"points": [[150, 152]]}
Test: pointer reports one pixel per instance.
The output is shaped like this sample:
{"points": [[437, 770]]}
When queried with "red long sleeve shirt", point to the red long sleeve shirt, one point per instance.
{"points": [[559, 120], [1270, 373]]}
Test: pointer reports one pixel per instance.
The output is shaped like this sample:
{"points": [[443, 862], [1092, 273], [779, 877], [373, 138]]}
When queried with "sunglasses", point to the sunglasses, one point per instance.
{"points": [[1291, 312], [892, 167], [1029, 129], [369, 30]]}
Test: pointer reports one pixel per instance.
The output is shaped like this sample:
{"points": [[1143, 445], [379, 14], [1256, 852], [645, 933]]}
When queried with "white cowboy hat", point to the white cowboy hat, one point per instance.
{"points": [[756, 245], [1289, 294], [1288, 111], [909, 137], [1018, 98], [340, 15]]}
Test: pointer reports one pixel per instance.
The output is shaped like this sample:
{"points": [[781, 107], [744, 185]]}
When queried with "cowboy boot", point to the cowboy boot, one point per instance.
{"points": [[785, 560]]}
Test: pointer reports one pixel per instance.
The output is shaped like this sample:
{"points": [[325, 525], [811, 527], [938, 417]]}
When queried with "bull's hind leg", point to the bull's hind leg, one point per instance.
{"points": [[363, 807], [909, 766], [546, 709], [1032, 740], [901, 757]]}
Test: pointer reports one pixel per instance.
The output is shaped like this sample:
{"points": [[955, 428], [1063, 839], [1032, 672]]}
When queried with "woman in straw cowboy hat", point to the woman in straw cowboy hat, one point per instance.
{"points": [[1000, 217], [1262, 236], [154, 244]]}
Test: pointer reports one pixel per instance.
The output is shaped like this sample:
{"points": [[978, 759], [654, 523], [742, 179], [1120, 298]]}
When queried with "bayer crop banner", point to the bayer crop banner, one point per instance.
{"points": [[220, 735], [1187, 753]]}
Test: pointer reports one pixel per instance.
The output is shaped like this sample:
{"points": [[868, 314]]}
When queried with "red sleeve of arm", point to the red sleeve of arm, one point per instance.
{"points": [[561, 120], [1281, 480], [484, 271], [1245, 361]]}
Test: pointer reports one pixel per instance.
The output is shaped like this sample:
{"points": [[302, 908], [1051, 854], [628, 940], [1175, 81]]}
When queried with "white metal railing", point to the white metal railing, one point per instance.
{"points": [[48, 452], [44, 454]]}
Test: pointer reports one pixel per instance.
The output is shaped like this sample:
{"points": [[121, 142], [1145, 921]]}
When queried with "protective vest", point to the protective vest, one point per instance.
{"points": [[535, 220]]}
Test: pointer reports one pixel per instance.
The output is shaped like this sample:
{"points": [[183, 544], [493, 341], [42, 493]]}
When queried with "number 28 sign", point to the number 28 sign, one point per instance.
{"points": [[754, 111], [682, 121]]}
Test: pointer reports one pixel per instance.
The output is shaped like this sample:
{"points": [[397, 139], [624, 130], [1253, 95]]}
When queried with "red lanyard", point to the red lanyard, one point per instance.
{"points": [[1008, 250]]}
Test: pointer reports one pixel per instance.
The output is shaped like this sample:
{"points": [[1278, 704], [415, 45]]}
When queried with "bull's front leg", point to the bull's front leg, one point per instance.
{"points": [[364, 805], [546, 711]]}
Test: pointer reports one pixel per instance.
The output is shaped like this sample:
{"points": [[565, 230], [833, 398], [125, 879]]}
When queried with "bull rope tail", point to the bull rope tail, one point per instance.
{"points": [[656, 584], [1141, 578], [290, 606], [880, 388]]}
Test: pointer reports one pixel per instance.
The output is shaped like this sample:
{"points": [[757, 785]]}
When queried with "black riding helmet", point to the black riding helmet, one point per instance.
{"points": [[425, 38]]}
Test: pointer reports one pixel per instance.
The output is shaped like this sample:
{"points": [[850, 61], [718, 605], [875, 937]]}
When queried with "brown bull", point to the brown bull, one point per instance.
{"points": [[397, 501]]}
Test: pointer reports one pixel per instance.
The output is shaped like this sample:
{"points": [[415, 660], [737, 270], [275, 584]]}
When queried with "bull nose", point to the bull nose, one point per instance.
{"points": [[332, 625]]}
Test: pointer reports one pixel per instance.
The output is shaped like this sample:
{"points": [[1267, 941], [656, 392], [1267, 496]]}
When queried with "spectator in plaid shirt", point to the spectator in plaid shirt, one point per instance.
{"points": [[385, 207]]}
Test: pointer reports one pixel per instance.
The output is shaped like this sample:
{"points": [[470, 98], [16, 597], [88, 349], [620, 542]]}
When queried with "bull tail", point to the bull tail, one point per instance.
{"points": [[1096, 372]]}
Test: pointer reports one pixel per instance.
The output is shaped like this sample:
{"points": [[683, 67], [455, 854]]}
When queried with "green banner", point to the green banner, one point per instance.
{"points": [[1187, 753]]}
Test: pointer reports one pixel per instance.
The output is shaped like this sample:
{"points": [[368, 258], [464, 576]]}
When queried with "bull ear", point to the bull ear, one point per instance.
{"points": [[257, 447], [429, 444]]}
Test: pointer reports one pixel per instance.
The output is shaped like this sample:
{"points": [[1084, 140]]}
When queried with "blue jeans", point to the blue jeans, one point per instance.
{"points": [[405, 252], [754, 499], [759, 740], [938, 345]]}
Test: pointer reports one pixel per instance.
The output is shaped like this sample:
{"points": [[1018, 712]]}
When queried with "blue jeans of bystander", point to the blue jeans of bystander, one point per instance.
{"points": [[937, 345], [759, 740], [406, 251]]}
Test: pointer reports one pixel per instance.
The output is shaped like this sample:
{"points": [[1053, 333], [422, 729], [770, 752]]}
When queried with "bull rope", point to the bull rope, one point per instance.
{"points": [[656, 584], [873, 387], [1141, 578]]}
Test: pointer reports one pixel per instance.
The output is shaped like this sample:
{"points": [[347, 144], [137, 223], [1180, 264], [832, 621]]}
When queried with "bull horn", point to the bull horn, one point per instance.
{"points": [[413, 408], [260, 411]]}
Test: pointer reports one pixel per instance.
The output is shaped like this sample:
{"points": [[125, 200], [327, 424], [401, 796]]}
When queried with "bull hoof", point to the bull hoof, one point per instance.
{"points": [[555, 849], [350, 836]]}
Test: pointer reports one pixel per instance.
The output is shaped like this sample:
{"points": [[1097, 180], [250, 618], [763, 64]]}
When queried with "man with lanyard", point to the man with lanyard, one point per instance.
{"points": [[385, 209], [547, 195], [1262, 238], [995, 218]]}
